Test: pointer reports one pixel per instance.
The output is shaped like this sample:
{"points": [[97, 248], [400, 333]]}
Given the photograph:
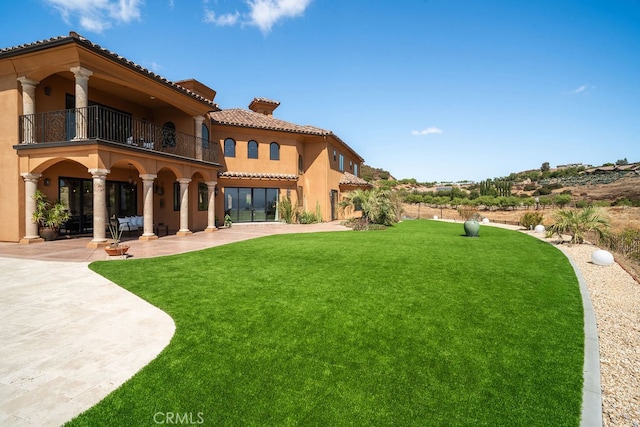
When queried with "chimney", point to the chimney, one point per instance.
{"points": [[263, 106]]}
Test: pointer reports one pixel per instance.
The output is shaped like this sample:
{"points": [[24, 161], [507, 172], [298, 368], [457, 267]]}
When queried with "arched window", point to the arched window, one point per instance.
{"points": [[169, 134], [274, 151], [205, 136], [300, 164], [252, 150], [229, 148]]}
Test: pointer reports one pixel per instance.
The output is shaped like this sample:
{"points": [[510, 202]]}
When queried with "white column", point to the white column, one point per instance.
{"points": [[199, 121], [147, 189], [184, 207], [28, 108], [30, 227], [211, 209], [82, 100], [99, 207]]}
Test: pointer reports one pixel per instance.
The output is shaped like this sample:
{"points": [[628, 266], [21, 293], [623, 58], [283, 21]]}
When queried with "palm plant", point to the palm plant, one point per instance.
{"points": [[376, 205], [577, 223], [47, 214]]}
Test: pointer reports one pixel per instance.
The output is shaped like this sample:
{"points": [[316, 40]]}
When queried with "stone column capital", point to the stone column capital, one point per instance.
{"points": [[99, 173], [211, 183], [27, 82], [31, 177], [184, 181], [81, 73], [198, 119], [148, 177]]}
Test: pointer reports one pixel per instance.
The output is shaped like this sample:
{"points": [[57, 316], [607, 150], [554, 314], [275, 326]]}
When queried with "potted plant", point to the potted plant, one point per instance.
{"points": [[116, 247], [471, 223], [49, 216]]}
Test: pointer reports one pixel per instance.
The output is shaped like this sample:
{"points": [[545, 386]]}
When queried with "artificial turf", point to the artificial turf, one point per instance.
{"points": [[413, 325]]}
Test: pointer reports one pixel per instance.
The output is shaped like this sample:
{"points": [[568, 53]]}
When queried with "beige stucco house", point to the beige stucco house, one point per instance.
{"points": [[110, 138]]}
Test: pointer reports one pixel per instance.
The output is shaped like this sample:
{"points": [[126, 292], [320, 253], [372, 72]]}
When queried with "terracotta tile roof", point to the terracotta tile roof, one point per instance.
{"points": [[266, 101], [250, 119], [349, 179], [74, 37], [257, 175]]}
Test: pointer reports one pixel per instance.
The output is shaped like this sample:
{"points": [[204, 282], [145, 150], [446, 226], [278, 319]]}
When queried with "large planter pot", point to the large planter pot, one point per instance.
{"points": [[116, 250], [48, 233], [471, 228]]}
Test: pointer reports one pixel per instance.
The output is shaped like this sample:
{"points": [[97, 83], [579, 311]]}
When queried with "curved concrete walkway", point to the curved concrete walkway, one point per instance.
{"points": [[69, 336]]}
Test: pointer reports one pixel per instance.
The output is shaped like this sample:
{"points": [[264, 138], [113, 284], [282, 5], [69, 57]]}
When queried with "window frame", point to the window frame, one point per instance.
{"points": [[249, 144], [205, 136], [274, 155], [232, 147]]}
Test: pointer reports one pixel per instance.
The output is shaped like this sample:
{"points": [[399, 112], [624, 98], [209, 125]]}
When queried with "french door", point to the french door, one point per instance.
{"points": [[251, 204]]}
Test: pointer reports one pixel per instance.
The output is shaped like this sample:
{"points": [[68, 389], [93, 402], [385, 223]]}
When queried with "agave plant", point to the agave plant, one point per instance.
{"points": [[577, 223]]}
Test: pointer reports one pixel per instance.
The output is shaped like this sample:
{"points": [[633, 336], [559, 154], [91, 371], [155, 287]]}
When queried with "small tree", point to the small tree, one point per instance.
{"points": [[576, 223]]}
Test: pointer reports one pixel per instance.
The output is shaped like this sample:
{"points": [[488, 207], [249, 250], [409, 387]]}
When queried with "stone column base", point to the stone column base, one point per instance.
{"points": [[183, 233], [149, 237], [210, 229], [97, 244], [29, 240]]}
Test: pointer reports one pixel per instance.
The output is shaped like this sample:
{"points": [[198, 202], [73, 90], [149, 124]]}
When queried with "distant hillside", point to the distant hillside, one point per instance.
{"points": [[611, 182], [371, 174]]}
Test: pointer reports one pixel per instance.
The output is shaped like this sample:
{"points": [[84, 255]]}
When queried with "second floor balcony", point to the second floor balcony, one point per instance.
{"points": [[100, 123]]}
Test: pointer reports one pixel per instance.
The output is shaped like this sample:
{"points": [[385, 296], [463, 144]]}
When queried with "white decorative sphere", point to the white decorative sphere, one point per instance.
{"points": [[435, 217], [485, 220], [539, 228], [601, 257]]}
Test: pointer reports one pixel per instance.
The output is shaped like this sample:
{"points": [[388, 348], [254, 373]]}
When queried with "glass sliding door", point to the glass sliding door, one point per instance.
{"points": [[77, 195], [272, 204], [251, 204], [260, 204]]}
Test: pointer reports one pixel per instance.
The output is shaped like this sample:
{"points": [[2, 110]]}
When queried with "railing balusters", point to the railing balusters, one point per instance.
{"points": [[103, 123]]}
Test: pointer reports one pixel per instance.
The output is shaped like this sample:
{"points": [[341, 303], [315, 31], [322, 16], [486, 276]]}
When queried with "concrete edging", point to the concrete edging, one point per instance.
{"points": [[591, 414]]}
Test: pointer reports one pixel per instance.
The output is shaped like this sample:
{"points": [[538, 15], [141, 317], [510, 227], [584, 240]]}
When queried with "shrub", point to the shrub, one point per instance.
{"points": [[361, 224], [581, 204], [467, 212], [307, 218], [287, 210], [531, 219]]}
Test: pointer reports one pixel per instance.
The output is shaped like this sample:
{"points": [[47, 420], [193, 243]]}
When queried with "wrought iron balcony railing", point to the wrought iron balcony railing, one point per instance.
{"points": [[101, 123]]}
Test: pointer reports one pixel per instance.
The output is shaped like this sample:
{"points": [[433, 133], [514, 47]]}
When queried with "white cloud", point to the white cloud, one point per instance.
{"points": [[582, 89], [97, 15], [227, 19], [427, 131], [263, 14]]}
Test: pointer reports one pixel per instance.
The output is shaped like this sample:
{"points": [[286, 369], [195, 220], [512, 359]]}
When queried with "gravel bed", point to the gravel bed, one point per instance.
{"points": [[616, 301]]}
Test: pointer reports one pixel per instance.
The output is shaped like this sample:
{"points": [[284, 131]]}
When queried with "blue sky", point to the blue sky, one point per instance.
{"points": [[437, 90]]}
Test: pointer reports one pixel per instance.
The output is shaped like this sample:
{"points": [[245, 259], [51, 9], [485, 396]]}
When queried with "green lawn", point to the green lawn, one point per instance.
{"points": [[413, 325]]}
